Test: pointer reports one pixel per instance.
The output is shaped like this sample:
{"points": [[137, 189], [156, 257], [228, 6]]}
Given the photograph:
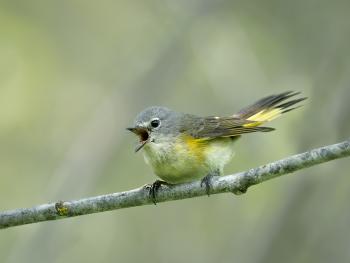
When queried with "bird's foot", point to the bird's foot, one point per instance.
{"points": [[153, 189], [207, 181]]}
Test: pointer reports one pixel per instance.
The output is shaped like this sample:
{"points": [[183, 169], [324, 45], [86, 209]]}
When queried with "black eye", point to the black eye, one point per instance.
{"points": [[155, 123]]}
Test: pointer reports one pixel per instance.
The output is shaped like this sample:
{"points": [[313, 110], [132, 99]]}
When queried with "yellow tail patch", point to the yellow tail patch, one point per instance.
{"points": [[263, 116]]}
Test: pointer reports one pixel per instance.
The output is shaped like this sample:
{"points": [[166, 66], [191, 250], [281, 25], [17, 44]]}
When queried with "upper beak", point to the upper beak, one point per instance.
{"points": [[132, 129], [143, 134]]}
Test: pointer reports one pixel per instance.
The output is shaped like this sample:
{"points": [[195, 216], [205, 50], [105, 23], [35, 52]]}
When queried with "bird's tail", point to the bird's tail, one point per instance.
{"points": [[269, 108]]}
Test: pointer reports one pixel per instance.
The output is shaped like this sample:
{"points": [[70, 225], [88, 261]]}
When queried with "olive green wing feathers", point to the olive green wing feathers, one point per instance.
{"points": [[213, 127], [246, 120]]}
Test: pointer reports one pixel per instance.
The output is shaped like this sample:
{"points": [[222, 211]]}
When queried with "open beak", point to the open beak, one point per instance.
{"points": [[143, 135]]}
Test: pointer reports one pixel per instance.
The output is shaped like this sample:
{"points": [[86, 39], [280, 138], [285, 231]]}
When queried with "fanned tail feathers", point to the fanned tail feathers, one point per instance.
{"points": [[269, 108]]}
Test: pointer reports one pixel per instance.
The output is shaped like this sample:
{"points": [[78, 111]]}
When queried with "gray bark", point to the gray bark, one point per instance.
{"points": [[237, 183]]}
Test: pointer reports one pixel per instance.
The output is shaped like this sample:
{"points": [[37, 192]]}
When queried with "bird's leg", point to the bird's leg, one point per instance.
{"points": [[153, 189], [207, 180]]}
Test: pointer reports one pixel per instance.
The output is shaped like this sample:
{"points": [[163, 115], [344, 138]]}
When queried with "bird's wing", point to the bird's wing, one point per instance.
{"points": [[214, 127], [246, 120]]}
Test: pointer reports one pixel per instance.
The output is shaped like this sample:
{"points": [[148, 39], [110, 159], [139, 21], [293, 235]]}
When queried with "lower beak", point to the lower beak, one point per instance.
{"points": [[140, 145], [143, 135]]}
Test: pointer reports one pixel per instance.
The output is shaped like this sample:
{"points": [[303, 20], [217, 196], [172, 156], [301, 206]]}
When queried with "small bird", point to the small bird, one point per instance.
{"points": [[183, 147]]}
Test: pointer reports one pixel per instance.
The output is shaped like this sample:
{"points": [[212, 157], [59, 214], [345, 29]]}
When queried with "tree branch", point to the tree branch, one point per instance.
{"points": [[237, 183]]}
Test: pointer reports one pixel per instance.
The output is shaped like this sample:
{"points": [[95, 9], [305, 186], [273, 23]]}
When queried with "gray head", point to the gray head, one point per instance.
{"points": [[153, 123]]}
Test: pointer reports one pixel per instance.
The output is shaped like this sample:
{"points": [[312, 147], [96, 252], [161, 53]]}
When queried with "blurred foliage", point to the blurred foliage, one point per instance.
{"points": [[74, 74]]}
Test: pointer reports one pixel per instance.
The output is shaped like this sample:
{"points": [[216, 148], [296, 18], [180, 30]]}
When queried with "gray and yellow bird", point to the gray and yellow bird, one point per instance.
{"points": [[182, 147]]}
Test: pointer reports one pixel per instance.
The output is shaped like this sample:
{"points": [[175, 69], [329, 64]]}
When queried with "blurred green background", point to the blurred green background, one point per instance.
{"points": [[73, 75]]}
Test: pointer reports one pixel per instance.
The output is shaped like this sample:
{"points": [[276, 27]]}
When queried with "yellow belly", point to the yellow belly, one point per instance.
{"points": [[186, 159]]}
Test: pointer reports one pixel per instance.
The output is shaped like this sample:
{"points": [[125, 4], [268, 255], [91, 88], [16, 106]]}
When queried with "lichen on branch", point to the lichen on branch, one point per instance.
{"points": [[236, 183]]}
